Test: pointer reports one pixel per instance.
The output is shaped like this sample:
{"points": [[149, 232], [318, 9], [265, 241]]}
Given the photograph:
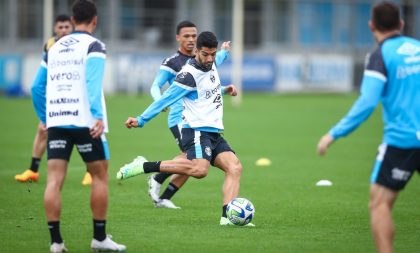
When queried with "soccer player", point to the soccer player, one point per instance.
{"points": [[198, 85], [62, 27], [68, 98], [186, 35], [391, 76]]}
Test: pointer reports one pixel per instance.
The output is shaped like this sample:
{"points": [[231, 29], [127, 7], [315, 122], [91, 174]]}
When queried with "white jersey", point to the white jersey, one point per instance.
{"points": [[204, 108], [67, 101]]}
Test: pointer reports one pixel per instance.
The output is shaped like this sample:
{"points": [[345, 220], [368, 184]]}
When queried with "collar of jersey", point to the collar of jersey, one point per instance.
{"points": [[81, 32]]}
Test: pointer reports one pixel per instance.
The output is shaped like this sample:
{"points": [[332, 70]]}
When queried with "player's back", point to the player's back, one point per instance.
{"points": [[401, 96]]}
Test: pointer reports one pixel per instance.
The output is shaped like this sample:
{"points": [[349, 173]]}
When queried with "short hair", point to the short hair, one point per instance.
{"points": [[184, 24], [206, 39], [83, 11], [62, 18], [386, 16]]}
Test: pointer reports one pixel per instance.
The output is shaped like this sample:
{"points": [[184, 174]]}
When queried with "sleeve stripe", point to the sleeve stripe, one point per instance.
{"points": [[375, 74], [43, 64], [96, 54], [168, 69], [185, 87]]}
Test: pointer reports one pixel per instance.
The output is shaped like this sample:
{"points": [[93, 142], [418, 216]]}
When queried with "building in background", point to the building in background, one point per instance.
{"points": [[290, 45]]}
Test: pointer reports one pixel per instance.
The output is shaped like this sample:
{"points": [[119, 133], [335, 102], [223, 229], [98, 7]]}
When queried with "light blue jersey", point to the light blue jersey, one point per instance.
{"points": [[167, 73], [392, 77]]}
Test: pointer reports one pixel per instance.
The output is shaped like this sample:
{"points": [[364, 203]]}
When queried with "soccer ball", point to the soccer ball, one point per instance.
{"points": [[240, 211]]}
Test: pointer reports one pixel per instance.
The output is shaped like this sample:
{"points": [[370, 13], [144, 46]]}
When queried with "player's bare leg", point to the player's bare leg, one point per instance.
{"points": [[99, 192], [197, 168], [381, 202], [230, 164]]}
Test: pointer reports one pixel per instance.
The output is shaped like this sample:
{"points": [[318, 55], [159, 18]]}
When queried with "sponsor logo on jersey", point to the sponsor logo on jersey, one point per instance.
{"points": [[63, 113], [66, 50], [57, 63], [210, 93], [64, 101], [65, 76], [69, 42]]}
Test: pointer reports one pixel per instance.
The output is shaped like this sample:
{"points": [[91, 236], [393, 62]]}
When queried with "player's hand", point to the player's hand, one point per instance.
{"points": [[42, 127], [131, 122], [226, 46], [324, 143], [97, 129], [231, 90]]}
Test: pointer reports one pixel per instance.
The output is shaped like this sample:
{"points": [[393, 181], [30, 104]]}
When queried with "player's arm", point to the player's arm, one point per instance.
{"points": [[38, 90], [95, 69], [165, 75], [182, 86], [174, 93], [371, 90], [223, 54]]}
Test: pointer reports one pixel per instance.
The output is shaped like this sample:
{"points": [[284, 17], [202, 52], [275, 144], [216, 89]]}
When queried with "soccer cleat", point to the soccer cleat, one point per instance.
{"points": [[58, 247], [154, 189], [166, 203], [226, 222], [87, 179], [26, 176], [106, 245], [132, 169]]}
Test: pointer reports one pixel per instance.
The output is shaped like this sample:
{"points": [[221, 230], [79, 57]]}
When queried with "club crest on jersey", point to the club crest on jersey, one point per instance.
{"points": [[68, 42], [212, 78], [182, 75], [207, 150]]}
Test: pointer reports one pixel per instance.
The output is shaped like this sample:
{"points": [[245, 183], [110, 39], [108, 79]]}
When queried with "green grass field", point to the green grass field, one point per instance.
{"points": [[292, 214]]}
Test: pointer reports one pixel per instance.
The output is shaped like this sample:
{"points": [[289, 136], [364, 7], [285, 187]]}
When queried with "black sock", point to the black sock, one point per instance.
{"points": [[54, 227], [151, 167], [161, 177], [35, 164], [99, 229], [169, 191], [224, 211]]}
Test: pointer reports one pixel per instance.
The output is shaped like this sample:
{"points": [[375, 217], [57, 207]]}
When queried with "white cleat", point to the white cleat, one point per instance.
{"points": [[166, 203], [107, 245], [58, 248], [154, 189], [226, 222]]}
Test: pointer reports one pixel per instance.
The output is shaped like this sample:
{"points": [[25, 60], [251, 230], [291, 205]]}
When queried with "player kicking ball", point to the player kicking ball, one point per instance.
{"points": [[198, 85]]}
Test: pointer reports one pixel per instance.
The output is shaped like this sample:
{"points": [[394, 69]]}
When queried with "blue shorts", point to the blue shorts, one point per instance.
{"points": [[61, 141], [207, 145], [395, 166]]}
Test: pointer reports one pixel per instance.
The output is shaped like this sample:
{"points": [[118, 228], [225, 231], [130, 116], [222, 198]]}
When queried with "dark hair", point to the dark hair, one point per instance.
{"points": [[184, 24], [83, 11], [207, 39], [62, 18], [386, 16]]}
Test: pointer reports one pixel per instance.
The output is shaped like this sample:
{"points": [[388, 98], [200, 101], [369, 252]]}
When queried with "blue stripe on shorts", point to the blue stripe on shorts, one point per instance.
{"points": [[197, 145]]}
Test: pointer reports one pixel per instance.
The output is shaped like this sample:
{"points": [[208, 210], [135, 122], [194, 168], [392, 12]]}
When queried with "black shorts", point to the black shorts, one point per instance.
{"points": [[177, 135], [395, 166], [61, 140], [200, 144]]}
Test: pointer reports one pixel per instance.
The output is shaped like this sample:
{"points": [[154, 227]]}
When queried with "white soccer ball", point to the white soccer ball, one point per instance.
{"points": [[240, 211]]}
